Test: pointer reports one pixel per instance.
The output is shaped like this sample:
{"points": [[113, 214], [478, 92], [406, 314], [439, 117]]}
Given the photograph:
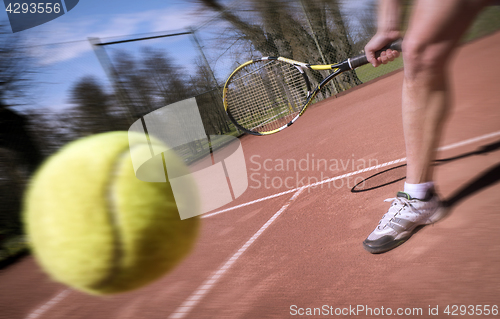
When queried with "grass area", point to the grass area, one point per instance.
{"points": [[368, 72], [488, 21]]}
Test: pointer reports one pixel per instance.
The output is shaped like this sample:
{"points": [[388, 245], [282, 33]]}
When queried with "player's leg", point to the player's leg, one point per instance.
{"points": [[434, 31]]}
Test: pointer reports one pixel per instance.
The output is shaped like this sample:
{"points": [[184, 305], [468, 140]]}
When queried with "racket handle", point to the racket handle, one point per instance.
{"points": [[362, 60]]}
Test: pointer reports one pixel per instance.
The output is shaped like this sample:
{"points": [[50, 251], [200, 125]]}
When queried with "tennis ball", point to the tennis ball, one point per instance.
{"points": [[97, 228]]}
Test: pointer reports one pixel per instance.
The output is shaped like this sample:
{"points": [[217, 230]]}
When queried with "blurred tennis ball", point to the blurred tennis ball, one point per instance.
{"points": [[97, 228]]}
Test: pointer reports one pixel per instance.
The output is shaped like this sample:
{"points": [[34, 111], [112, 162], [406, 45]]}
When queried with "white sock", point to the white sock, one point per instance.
{"points": [[418, 190]]}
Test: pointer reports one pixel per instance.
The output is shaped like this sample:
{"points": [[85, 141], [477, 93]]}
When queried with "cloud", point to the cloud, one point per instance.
{"points": [[50, 47]]}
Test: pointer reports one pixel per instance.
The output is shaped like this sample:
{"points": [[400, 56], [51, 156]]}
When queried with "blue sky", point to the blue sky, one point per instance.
{"points": [[59, 66], [105, 18]]}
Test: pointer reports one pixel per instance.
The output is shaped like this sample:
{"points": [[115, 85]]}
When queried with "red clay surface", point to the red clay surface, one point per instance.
{"points": [[311, 255]]}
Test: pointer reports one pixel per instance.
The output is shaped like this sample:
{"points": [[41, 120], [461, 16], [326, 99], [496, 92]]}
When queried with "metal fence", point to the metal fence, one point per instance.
{"points": [[134, 75], [202, 57]]}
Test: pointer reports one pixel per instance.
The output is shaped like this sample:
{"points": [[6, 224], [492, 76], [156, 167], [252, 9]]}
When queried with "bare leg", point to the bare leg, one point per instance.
{"points": [[434, 31]]}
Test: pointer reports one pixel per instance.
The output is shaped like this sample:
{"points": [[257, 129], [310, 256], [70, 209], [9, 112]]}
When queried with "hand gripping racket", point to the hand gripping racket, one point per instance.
{"points": [[264, 96]]}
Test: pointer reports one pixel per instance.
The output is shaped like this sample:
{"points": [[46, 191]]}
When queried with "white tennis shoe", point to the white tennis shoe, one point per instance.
{"points": [[403, 217]]}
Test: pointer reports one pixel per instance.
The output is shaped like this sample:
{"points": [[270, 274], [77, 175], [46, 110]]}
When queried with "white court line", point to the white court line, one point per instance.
{"points": [[443, 148], [469, 141], [307, 186], [49, 304], [206, 286], [59, 297]]}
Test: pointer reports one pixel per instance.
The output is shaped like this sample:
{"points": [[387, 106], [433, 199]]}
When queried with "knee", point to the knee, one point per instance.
{"points": [[423, 59]]}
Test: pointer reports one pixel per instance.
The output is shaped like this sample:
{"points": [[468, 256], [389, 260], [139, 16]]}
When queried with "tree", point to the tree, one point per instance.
{"points": [[19, 153], [209, 102], [151, 81], [91, 112], [319, 35], [15, 76], [19, 156], [15, 68], [167, 81]]}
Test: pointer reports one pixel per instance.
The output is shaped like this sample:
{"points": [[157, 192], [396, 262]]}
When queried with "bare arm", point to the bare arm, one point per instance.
{"points": [[388, 30]]}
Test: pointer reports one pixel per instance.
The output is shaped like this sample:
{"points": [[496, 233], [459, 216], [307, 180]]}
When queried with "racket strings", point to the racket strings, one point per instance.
{"points": [[266, 95]]}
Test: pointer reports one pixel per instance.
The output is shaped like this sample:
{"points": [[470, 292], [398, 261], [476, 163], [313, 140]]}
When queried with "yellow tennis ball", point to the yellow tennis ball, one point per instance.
{"points": [[94, 226]]}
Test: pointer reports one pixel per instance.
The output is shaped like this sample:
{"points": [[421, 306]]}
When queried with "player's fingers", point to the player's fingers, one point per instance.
{"points": [[370, 56], [388, 56], [370, 49], [391, 54], [383, 57]]}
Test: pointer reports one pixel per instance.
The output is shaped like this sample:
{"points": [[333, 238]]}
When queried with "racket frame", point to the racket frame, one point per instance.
{"points": [[346, 65], [311, 94]]}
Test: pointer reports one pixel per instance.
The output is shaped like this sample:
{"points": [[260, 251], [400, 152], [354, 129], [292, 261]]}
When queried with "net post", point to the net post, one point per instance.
{"points": [[106, 64]]}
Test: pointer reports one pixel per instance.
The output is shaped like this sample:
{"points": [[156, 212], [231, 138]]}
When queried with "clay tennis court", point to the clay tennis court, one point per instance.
{"points": [[282, 247]]}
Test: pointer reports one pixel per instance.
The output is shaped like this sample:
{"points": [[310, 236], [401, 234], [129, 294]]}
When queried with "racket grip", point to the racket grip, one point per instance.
{"points": [[361, 59]]}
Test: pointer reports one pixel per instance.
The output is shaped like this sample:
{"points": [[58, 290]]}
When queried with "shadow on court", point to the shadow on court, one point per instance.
{"points": [[482, 181], [489, 177]]}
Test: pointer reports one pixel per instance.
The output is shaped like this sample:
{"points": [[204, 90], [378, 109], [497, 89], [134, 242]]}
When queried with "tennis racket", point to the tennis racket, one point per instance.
{"points": [[266, 95]]}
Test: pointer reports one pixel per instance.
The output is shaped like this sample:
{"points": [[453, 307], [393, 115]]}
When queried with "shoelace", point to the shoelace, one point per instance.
{"points": [[398, 204]]}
